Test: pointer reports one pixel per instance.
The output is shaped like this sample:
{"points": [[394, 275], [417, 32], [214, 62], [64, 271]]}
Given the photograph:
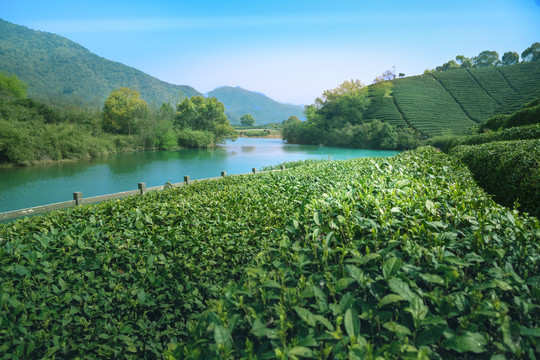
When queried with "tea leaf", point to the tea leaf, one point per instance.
{"points": [[302, 352], [401, 288], [305, 315], [391, 267], [352, 323], [397, 328], [467, 342], [222, 336], [390, 298]]}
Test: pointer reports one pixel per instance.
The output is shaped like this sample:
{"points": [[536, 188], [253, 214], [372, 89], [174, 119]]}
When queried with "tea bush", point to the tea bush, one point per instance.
{"points": [[125, 278], [515, 133], [398, 257], [529, 114], [510, 170], [409, 259]]}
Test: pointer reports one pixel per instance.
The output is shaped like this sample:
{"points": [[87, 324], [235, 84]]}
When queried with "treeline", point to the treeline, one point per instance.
{"points": [[33, 131], [490, 58], [337, 119]]}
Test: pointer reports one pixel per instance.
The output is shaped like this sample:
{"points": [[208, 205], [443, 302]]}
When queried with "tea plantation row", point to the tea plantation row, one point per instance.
{"points": [[454, 101], [509, 170], [403, 257]]}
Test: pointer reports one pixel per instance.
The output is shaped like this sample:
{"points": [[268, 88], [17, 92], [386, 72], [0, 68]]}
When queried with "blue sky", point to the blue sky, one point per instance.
{"points": [[289, 50]]}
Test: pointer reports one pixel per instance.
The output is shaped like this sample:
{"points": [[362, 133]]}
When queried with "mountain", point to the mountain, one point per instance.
{"points": [[240, 101], [52, 65], [453, 101]]}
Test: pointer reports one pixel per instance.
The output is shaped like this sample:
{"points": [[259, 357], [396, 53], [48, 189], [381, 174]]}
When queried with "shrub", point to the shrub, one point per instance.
{"points": [[515, 133], [510, 170], [395, 264], [195, 138], [529, 114], [494, 123], [441, 142]]}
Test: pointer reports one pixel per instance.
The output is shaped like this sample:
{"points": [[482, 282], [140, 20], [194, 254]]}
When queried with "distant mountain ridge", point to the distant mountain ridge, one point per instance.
{"points": [[52, 65], [239, 101]]}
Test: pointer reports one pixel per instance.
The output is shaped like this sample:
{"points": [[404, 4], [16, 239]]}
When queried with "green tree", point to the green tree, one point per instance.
{"points": [[464, 62], [122, 110], [486, 58], [247, 120], [166, 111], [344, 104], [510, 58], [385, 76], [448, 66], [11, 87], [532, 53], [204, 114], [291, 120]]}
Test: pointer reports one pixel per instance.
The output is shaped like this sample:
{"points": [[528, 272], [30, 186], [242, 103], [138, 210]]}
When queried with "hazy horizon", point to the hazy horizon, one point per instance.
{"points": [[289, 51]]}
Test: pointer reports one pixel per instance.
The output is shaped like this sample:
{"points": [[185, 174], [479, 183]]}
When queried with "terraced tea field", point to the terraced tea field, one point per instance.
{"points": [[428, 107], [455, 100]]}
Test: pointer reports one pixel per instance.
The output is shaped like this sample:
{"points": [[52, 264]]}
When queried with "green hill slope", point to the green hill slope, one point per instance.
{"points": [[239, 101], [455, 100], [52, 65]]}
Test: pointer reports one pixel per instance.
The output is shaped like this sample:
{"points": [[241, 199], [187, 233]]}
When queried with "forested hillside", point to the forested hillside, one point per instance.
{"points": [[54, 66], [239, 101], [453, 101]]}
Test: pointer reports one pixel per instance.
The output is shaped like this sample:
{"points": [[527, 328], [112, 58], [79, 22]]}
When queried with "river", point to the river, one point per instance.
{"points": [[46, 184]]}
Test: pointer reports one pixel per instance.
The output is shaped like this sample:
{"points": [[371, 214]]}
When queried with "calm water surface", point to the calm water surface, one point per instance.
{"points": [[40, 185]]}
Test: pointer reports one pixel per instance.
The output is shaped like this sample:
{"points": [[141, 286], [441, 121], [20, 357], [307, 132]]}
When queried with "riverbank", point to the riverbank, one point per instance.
{"points": [[29, 186], [260, 133]]}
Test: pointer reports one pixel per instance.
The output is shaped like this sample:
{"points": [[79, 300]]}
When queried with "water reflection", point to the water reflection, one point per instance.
{"points": [[248, 149]]}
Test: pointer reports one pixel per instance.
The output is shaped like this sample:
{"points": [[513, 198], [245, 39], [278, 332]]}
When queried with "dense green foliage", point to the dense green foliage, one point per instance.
{"points": [[408, 260], [398, 257], [532, 53], [32, 131], [491, 58], [516, 126], [260, 133], [126, 277], [510, 170], [527, 115], [474, 100], [247, 120], [11, 87], [205, 115], [122, 108], [239, 101], [514, 133], [445, 143], [54, 66], [337, 119]]}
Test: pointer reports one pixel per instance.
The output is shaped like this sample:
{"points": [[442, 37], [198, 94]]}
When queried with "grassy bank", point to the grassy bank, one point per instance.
{"points": [[263, 133], [397, 257]]}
